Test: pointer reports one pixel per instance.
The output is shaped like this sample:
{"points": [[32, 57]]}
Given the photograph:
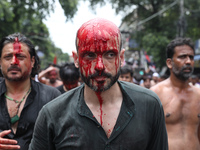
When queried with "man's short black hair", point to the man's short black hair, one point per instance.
{"points": [[21, 38], [178, 42], [68, 72], [126, 69]]}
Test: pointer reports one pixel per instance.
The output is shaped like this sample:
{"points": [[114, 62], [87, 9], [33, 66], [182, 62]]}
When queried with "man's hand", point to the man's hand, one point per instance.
{"points": [[6, 144]]}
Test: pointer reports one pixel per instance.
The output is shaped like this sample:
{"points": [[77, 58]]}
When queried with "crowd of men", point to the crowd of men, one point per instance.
{"points": [[97, 102]]}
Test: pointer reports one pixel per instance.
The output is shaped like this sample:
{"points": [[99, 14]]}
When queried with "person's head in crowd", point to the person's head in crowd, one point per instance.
{"points": [[147, 81], [156, 77], [126, 73], [194, 79], [182, 66], [69, 75], [99, 58], [53, 75], [22, 48], [163, 77]]}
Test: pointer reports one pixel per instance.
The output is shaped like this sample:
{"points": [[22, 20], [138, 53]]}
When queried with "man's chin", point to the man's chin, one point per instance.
{"points": [[100, 87], [15, 78]]}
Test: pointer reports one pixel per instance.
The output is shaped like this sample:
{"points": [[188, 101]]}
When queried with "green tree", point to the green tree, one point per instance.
{"points": [[157, 22], [26, 17]]}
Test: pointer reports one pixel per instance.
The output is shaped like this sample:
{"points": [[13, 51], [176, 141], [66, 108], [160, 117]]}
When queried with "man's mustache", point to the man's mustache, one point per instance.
{"points": [[187, 67], [14, 68], [97, 74]]}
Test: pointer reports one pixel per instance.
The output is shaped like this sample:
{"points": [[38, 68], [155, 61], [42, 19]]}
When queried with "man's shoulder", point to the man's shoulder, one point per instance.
{"points": [[40, 87], [196, 89], [137, 91], [159, 87], [71, 96]]}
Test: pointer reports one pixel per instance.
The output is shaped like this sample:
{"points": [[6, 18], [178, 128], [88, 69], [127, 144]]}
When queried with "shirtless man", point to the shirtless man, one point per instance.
{"points": [[180, 100], [49, 77]]}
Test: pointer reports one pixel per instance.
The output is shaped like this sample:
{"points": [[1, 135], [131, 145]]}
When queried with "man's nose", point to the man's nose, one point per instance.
{"points": [[14, 61], [188, 60], [99, 64]]}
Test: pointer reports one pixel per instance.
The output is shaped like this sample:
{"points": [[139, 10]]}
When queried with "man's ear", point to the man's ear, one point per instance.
{"points": [[122, 57], [75, 56], [32, 61], [169, 63]]}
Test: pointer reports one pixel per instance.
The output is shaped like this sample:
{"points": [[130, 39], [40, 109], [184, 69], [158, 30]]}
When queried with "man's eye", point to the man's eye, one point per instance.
{"points": [[110, 55], [20, 57], [182, 57], [7, 57], [89, 55], [191, 57]]}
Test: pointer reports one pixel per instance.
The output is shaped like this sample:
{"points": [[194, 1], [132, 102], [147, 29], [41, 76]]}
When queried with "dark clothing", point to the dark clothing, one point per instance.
{"points": [[40, 94], [67, 123], [61, 89]]}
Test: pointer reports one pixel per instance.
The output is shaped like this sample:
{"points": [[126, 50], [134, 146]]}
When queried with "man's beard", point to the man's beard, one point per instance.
{"points": [[100, 87], [52, 81], [179, 72], [23, 77]]}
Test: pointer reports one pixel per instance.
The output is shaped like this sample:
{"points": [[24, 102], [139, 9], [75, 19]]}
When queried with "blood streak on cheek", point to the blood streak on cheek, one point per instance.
{"points": [[85, 67], [17, 50], [101, 111]]}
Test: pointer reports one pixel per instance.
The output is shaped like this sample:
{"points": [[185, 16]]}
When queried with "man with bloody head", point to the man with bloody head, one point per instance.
{"points": [[50, 76], [21, 98], [69, 75], [103, 113]]}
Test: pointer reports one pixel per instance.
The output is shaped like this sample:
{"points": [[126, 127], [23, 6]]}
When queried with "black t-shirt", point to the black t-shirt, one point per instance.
{"points": [[61, 89]]}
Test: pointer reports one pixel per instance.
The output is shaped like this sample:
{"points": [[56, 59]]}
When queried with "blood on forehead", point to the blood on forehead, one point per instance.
{"points": [[17, 50], [17, 45], [98, 35]]}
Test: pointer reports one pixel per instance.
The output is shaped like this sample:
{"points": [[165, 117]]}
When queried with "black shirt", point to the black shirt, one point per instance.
{"points": [[68, 123], [61, 89], [40, 95]]}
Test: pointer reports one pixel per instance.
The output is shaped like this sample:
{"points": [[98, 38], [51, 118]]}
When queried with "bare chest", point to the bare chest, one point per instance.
{"points": [[181, 108]]}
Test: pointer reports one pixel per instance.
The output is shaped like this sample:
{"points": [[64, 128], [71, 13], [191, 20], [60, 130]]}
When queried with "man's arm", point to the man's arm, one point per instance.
{"points": [[199, 133], [7, 143], [41, 139], [43, 74], [159, 140]]}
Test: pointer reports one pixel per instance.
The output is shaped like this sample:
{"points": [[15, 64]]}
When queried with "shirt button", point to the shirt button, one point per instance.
{"points": [[107, 147]]}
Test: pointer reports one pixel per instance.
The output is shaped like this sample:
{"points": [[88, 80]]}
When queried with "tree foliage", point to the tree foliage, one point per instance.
{"points": [[154, 34], [26, 17]]}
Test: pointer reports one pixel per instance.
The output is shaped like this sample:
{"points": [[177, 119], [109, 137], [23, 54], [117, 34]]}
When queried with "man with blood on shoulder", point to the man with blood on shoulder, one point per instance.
{"points": [[102, 113], [21, 98]]}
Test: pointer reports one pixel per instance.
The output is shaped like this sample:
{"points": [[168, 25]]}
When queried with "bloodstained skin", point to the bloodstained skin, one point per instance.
{"points": [[101, 111], [17, 50], [97, 37]]}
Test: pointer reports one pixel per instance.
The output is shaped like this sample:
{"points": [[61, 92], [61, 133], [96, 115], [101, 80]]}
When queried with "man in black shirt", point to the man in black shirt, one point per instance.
{"points": [[21, 98], [102, 113]]}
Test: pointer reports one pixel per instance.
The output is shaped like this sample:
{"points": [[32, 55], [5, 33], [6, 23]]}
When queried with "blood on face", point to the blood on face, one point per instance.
{"points": [[95, 39], [17, 50], [96, 36]]}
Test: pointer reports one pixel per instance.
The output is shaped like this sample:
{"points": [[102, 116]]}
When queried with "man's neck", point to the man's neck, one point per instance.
{"points": [[17, 86], [109, 96], [178, 82]]}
